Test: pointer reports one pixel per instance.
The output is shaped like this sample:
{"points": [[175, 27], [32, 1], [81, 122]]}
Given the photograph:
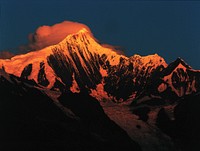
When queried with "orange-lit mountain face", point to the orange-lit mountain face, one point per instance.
{"points": [[79, 63]]}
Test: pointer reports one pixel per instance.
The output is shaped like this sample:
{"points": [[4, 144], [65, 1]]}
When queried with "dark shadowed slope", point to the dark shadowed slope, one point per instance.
{"points": [[184, 129], [31, 121]]}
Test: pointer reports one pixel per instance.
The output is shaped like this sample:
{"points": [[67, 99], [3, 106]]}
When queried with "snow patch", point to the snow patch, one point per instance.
{"points": [[162, 87], [74, 88], [99, 93], [50, 75], [103, 72]]}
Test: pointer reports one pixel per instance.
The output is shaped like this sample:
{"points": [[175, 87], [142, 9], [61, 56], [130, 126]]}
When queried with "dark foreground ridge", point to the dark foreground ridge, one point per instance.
{"points": [[30, 120]]}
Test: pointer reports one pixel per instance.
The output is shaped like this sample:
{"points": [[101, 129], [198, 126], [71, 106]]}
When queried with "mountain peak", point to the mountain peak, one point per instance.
{"points": [[80, 34], [83, 30], [153, 59], [179, 63]]}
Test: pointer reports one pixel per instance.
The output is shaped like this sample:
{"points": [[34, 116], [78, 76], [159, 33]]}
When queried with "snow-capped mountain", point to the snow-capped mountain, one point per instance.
{"points": [[79, 63], [58, 87]]}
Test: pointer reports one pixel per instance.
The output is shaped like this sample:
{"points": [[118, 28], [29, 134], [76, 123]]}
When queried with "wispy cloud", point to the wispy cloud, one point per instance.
{"points": [[6, 55]]}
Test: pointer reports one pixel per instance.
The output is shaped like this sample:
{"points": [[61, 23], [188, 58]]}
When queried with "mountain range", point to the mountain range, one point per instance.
{"points": [[81, 95]]}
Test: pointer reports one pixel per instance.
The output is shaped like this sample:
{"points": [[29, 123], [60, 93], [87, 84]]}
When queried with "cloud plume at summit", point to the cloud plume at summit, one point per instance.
{"points": [[49, 35]]}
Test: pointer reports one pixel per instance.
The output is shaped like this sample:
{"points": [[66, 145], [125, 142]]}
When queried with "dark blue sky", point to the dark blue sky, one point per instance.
{"points": [[171, 29]]}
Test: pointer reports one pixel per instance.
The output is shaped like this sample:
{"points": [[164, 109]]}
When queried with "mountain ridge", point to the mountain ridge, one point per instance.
{"points": [[79, 63]]}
